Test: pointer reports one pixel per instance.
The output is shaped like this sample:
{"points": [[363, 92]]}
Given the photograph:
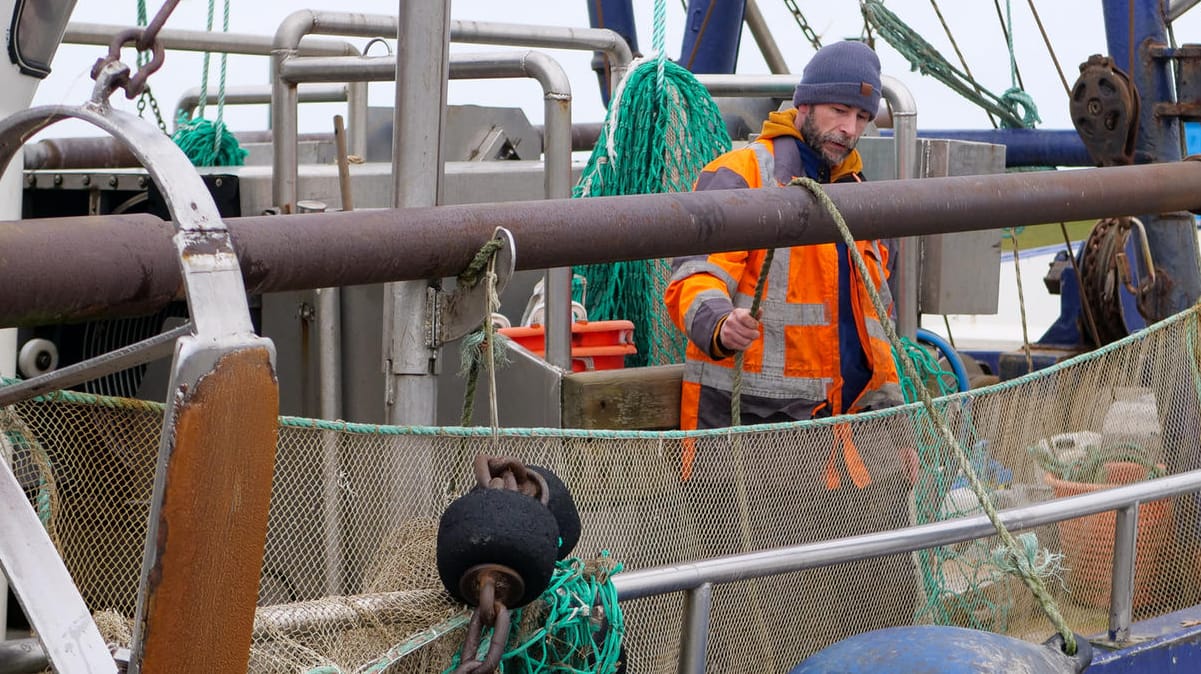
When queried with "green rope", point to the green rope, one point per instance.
{"points": [[1027, 572], [929, 369], [661, 128], [208, 143], [557, 632], [923, 57], [736, 390]]}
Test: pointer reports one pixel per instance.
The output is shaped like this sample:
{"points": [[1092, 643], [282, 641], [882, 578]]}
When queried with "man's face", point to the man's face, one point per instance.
{"points": [[832, 129]]}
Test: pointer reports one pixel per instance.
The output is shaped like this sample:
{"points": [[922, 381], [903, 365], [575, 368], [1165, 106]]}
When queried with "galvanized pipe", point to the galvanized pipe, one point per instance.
{"points": [[258, 94], [1121, 592], [903, 110], [556, 94], [300, 252], [204, 41], [694, 639], [306, 22], [730, 568], [422, 31]]}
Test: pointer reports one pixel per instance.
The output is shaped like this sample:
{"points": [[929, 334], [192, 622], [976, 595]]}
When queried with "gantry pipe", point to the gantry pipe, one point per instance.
{"points": [[126, 264]]}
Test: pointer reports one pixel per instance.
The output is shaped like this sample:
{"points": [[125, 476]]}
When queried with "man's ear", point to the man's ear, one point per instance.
{"points": [[802, 113]]}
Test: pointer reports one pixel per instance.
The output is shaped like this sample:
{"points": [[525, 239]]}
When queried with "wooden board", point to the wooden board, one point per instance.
{"points": [[644, 398]]}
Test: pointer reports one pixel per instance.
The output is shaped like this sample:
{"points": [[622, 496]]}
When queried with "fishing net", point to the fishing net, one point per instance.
{"points": [[348, 580], [660, 131]]}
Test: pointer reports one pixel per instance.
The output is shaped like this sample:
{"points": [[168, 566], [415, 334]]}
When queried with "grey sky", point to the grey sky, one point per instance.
{"points": [[1075, 28]]}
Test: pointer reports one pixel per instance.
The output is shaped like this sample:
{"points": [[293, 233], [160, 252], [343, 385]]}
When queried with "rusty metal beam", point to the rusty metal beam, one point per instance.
{"points": [[71, 269]]}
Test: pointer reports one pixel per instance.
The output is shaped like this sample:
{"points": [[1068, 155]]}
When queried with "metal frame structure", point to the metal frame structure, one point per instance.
{"points": [[208, 513], [697, 579]]}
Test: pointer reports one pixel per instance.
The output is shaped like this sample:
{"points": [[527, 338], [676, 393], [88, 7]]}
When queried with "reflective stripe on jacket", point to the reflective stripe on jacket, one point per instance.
{"points": [[794, 369]]}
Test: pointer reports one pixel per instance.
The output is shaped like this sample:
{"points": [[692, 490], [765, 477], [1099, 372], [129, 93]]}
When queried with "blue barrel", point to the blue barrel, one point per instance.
{"points": [[932, 649]]}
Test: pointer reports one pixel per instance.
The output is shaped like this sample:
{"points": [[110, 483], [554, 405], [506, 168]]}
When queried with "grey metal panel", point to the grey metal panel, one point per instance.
{"points": [[528, 392], [466, 183], [961, 271], [472, 132]]}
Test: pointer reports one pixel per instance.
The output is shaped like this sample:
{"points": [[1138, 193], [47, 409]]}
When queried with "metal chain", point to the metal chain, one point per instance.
{"points": [[145, 40], [801, 21]]}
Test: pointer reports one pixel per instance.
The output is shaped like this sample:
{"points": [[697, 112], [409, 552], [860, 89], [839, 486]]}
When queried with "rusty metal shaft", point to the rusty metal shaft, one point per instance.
{"points": [[70, 269]]}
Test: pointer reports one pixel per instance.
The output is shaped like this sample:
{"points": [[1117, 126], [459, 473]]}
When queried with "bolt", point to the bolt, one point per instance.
{"points": [[142, 181], [305, 311], [87, 180], [218, 182], [31, 180], [112, 181], [58, 179]]}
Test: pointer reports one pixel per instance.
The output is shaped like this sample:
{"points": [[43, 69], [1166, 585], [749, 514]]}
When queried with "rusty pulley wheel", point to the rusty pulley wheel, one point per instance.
{"points": [[1105, 108], [1100, 279], [1106, 270]]}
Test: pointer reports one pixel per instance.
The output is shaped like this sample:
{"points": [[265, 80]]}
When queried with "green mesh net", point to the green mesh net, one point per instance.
{"points": [[657, 137]]}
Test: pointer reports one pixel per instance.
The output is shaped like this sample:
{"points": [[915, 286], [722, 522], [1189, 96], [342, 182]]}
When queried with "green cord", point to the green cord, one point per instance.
{"points": [[1021, 562]]}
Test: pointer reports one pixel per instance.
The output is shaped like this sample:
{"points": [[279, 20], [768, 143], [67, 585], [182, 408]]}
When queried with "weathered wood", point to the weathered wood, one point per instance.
{"points": [[644, 398], [202, 591]]}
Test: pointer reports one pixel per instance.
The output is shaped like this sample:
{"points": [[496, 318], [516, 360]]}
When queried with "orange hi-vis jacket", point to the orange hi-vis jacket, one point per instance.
{"points": [[794, 371]]}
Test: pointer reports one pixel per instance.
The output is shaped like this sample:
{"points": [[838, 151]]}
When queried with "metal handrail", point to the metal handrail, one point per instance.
{"points": [[260, 94], [697, 578]]}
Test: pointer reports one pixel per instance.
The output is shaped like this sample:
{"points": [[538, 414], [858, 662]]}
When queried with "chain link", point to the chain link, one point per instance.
{"points": [[804, 24], [144, 40]]}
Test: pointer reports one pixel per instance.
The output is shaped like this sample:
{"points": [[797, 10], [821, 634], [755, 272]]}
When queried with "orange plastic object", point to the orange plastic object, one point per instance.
{"points": [[595, 345]]}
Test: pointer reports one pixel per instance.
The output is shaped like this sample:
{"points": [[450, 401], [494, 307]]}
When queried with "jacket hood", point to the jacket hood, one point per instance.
{"points": [[783, 124]]}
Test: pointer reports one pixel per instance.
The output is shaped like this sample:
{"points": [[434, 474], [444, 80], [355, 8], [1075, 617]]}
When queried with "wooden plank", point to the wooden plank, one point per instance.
{"points": [[644, 398], [212, 528]]}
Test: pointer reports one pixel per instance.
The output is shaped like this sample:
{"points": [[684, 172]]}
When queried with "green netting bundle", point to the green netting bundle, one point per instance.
{"points": [[576, 625], [661, 129], [208, 143]]}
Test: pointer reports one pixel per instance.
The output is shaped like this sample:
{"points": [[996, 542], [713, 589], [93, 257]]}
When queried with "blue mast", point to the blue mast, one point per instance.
{"points": [[1137, 37]]}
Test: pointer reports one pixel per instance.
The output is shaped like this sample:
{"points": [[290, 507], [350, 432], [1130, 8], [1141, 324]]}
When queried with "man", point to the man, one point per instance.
{"points": [[820, 350], [816, 349]]}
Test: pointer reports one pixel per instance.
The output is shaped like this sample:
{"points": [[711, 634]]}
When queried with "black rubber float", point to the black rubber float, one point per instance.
{"points": [[562, 506], [497, 527]]}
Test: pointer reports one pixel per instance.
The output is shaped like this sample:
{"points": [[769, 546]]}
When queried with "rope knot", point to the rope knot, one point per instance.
{"points": [[1021, 105]]}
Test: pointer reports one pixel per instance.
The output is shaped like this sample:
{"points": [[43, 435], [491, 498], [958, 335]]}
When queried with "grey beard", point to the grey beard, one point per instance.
{"points": [[814, 139]]}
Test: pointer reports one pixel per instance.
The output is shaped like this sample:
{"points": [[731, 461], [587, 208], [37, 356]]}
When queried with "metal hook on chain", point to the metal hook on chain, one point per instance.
{"points": [[109, 80]]}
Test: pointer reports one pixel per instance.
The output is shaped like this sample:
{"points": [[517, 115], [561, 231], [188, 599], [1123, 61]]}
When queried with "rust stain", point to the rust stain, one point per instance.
{"points": [[213, 524]]}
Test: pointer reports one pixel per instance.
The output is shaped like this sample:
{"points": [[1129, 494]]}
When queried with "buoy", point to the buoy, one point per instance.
{"points": [[497, 530], [945, 650], [562, 506]]}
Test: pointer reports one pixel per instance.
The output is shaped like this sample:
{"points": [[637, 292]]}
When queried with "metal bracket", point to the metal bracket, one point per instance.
{"points": [[216, 457], [463, 308]]}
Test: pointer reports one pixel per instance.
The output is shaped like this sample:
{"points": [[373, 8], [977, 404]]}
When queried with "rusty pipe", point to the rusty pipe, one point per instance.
{"points": [[69, 269]]}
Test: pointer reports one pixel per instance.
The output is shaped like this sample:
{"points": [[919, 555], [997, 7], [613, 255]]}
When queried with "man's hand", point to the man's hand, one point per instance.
{"points": [[739, 330]]}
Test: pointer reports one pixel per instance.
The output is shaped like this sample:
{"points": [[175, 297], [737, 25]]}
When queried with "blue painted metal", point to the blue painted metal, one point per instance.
{"points": [[1023, 147], [948, 352], [617, 16], [934, 649], [712, 33], [1132, 28], [1169, 644]]}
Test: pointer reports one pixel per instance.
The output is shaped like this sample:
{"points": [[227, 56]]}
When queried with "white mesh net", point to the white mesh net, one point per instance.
{"points": [[349, 578]]}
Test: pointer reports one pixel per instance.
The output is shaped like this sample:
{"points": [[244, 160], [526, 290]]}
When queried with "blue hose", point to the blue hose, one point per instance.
{"points": [[948, 352]]}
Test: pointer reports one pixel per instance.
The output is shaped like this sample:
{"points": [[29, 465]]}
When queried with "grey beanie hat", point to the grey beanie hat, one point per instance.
{"points": [[844, 72]]}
